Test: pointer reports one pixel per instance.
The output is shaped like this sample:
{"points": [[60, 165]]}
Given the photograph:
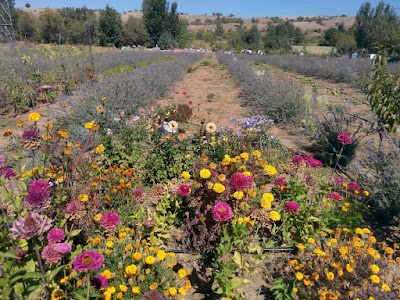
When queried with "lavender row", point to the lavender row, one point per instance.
{"points": [[335, 69], [276, 97], [126, 93]]}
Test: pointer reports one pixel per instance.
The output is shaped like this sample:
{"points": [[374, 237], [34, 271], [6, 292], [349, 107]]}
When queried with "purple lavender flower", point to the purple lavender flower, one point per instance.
{"points": [[38, 193], [33, 224], [8, 172]]}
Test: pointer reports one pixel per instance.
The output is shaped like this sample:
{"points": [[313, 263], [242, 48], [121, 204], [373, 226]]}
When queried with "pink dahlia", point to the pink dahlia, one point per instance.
{"points": [[50, 255], [338, 180], [38, 192], [2, 161], [222, 212], [345, 138], [30, 226], [313, 162], [88, 261], [335, 196], [109, 221], [353, 186], [99, 282], [63, 248], [297, 160], [184, 190], [241, 182], [280, 182], [291, 207], [8, 172], [55, 235]]}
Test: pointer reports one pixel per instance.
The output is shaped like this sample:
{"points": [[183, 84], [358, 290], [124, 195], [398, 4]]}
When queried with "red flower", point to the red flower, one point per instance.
{"points": [[184, 93], [280, 182], [345, 138]]}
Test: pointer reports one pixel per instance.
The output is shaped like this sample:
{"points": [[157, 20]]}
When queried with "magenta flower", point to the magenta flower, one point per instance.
{"points": [[280, 182], [338, 180], [335, 196], [345, 138], [2, 161], [74, 206], [55, 235], [88, 261], [222, 212], [184, 190], [63, 248], [99, 282], [8, 172], [313, 162], [38, 193], [353, 186], [109, 221], [291, 207], [138, 195], [44, 88], [30, 135], [297, 159], [50, 255], [241, 182], [30, 226]]}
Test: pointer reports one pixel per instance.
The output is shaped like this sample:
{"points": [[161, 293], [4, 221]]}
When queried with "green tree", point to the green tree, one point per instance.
{"points": [[51, 23], [282, 36], [154, 17], [110, 27], [26, 26], [374, 27], [134, 32], [219, 29], [345, 42], [331, 37]]}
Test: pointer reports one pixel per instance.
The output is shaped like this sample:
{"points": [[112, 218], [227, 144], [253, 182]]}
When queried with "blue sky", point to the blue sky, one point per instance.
{"points": [[240, 8]]}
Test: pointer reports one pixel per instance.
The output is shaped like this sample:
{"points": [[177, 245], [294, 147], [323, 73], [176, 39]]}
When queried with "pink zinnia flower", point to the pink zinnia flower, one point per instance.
{"points": [[184, 190], [338, 180], [50, 255], [280, 182], [99, 282], [241, 182], [38, 192], [353, 186], [8, 172], [291, 207], [109, 221], [313, 162], [55, 235], [297, 159], [345, 138], [63, 248], [88, 261], [2, 161], [222, 212], [335, 196], [138, 195]]}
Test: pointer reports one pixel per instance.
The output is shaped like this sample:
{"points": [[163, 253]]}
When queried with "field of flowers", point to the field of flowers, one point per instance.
{"points": [[105, 201]]}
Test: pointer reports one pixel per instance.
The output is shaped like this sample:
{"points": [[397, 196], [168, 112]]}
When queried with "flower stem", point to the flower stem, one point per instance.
{"points": [[88, 287], [42, 270]]}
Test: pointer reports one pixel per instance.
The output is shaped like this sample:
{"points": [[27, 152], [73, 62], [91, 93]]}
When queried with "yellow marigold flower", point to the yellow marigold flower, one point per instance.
{"points": [[107, 251], [301, 246], [120, 295], [266, 200], [349, 268], [137, 256], [371, 251], [62, 133], [83, 197], [372, 239], [20, 124], [375, 279], [330, 276], [307, 281], [365, 193], [218, 188], [299, 276], [295, 289], [256, 154], [221, 177], [46, 137], [122, 235], [185, 175], [371, 298], [311, 240], [343, 250], [388, 250], [374, 268], [130, 270], [107, 295], [107, 274], [238, 195], [150, 260], [204, 158], [275, 216], [333, 241], [64, 280], [111, 290], [123, 288], [270, 170], [294, 262], [99, 149], [96, 241], [385, 287], [97, 217], [205, 173], [153, 286], [345, 208], [34, 116], [320, 253], [8, 132], [161, 255], [244, 155], [358, 231], [136, 290], [110, 244], [67, 151], [315, 276], [57, 295], [182, 273], [172, 291], [182, 291]]}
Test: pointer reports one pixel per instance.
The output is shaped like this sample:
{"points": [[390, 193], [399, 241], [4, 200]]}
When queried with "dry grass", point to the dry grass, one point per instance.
{"points": [[316, 50]]}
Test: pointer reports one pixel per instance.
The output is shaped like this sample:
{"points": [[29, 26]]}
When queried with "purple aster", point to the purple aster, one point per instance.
{"points": [[33, 224]]}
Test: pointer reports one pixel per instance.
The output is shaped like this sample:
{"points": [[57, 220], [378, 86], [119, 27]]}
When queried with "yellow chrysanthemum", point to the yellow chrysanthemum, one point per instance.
{"points": [[107, 274], [374, 268], [99, 149], [34, 116], [97, 217], [123, 288], [311, 240], [136, 290], [266, 200], [150, 260], [375, 279], [256, 154], [83, 197], [161, 255], [244, 155], [130, 270], [218, 188], [153, 286], [182, 273], [299, 276], [172, 291], [270, 170], [205, 173], [221, 177], [238, 195], [185, 175], [385, 288], [275, 216], [330, 276], [137, 256], [349, 268]]}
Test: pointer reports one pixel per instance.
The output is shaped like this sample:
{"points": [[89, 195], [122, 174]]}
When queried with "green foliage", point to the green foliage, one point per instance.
{"points": [[282, 36], [110, 27], [50, 25], [345, 42], [134, 32], [384, 95], [283, 289]]}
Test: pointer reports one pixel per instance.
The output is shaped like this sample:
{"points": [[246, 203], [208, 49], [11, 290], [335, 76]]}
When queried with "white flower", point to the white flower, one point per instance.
{"points": [[211, 127], [174, 126]]}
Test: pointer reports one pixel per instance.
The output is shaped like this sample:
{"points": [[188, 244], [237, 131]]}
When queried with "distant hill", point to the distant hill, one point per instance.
{"points": [[312, 26]]}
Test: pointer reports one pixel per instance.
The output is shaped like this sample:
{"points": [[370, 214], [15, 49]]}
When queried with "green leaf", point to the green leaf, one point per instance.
{"points": [[79, 297], [35, 293], [33, 275], [7, 255], [75, 232], [54, 273], [30, 266]]}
